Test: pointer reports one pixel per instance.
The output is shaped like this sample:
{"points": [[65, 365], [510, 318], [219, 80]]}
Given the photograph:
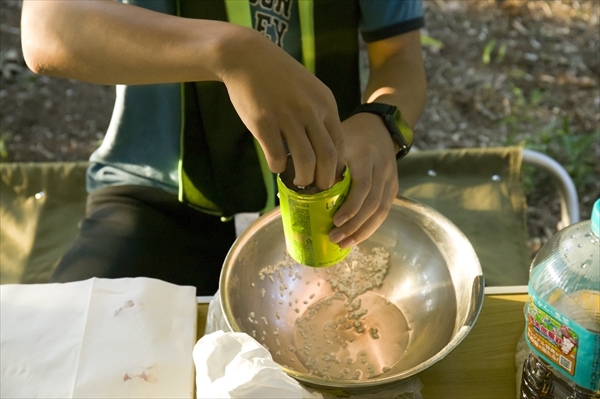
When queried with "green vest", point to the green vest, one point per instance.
{"points": [[238, 178]]}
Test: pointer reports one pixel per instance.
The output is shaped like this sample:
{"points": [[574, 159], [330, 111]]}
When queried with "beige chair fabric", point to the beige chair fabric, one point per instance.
{"points": [[479, 190], [40, 206]]}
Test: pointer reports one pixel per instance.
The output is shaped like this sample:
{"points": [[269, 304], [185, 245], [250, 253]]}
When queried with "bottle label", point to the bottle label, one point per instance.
{"points": [[570, 348], [307, 220]]}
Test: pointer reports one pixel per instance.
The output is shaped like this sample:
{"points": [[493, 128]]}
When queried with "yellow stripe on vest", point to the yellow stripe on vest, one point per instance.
{"points": [[193, 195], [307, 33], [239, 13]]}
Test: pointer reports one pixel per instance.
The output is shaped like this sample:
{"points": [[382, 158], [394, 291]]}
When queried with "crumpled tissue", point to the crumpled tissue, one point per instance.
{"points": [[235, 365]]}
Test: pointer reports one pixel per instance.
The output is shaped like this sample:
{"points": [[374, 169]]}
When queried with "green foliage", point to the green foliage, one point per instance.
{"points": [[535, 97], [487, 51], [3, 148], [427, 41], [28, 80], [501, 52], [573, 149]]}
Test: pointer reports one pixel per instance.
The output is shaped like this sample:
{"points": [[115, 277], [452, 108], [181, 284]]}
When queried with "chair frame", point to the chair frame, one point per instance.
{"points": [[569, 200]]}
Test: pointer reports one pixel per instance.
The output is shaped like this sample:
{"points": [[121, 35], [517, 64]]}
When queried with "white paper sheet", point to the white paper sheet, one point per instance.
{"points": [[104, 338]]}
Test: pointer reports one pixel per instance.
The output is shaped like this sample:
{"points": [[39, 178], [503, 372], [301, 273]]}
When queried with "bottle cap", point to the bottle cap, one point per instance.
{"points": [[596, 218]]}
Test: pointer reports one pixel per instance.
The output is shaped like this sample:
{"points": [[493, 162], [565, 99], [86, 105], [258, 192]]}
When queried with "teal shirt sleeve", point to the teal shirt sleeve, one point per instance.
{"points": [[381, 19]]}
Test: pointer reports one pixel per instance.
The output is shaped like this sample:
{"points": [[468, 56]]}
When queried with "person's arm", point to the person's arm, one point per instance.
{"points": [[106, 42], [397, 78]]}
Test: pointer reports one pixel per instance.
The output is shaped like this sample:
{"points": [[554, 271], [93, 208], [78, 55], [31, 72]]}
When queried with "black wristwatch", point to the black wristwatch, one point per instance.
{"points": [[401, 133]]}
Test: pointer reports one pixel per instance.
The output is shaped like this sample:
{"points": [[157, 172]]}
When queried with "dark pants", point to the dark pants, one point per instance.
{"points": [[133, 231]]}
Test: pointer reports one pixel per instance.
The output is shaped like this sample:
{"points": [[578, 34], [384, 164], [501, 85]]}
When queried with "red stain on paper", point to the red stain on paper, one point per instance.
{"points": [[147, 374], [126, 305]]}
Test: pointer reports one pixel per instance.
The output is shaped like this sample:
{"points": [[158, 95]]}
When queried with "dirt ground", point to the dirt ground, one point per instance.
{"points": [[499, 73]]}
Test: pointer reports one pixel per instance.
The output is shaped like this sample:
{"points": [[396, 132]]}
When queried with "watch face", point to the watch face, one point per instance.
{"points": [[405, 130]]}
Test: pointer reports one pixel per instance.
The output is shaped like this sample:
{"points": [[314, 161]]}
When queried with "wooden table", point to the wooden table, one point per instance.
{"points": [[483, 365]]}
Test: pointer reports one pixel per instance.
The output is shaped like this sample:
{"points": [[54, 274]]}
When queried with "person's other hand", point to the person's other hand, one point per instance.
{"points": [[370, 155], [279, 101]]}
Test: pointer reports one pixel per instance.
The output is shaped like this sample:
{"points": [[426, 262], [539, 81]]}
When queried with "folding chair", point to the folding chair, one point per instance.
{"points": [[479, 190]]}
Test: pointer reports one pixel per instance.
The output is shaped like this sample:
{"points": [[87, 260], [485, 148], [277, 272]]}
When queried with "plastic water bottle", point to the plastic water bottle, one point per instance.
{"points": [[563, 315]]}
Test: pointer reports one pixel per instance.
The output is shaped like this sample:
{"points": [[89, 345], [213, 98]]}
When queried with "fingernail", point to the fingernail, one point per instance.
{"points": [[346, 243], [336, 237], [339, 220]]}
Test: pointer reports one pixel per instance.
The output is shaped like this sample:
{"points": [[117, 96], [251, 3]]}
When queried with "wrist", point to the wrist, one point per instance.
{"points": [[230, 47], [399, 130], [365, 123]]}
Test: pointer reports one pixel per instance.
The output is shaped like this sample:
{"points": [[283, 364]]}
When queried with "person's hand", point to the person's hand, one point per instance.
{"points": [[281, 101], [370, 155]]}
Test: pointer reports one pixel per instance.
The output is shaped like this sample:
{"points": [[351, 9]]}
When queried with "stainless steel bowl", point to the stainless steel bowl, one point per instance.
{"points": [[427, 303]]}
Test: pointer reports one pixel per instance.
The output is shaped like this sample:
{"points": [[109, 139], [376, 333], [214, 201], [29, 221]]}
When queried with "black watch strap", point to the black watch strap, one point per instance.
{"points": [[400, 131]]}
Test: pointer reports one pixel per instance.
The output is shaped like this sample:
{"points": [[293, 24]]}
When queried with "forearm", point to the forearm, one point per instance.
{"points": [[106, 42], [399, 80]]}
